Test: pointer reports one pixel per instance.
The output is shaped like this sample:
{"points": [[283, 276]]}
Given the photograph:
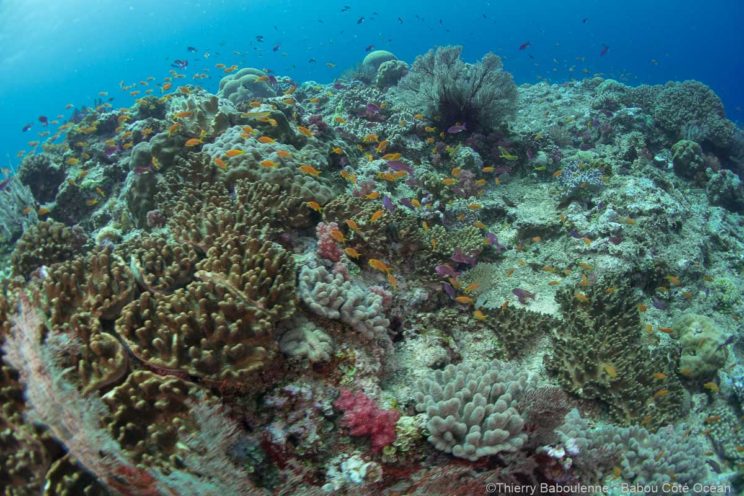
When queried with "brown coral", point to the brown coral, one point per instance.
{"points": [[149, 416], [598, 354], [219, 327], [67, 478], [46, 243], [99, 283], [159, 265]]}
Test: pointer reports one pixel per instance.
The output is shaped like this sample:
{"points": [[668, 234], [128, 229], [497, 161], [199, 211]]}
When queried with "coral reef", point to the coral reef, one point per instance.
{"points": [[401, 282]]}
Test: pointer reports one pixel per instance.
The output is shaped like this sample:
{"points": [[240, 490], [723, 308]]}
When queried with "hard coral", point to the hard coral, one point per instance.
{"points": [[46, 243], [364, 418], [598, 354], [472, 410]]}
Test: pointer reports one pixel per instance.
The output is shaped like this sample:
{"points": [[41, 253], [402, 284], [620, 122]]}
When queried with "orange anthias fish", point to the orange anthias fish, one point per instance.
{"points": [[391, 156], [337, 235], [193, 142], [220, 163], [352, 253], [377, 215], [305, 131], [234, 152], [266, 140], [314, 205], [283, 154], [269, 164], [372, 196], [309, 169], [378, 265]]}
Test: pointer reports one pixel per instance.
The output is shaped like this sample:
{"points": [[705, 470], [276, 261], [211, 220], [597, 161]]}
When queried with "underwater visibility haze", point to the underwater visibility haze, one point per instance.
{"points": [[371, 248]]}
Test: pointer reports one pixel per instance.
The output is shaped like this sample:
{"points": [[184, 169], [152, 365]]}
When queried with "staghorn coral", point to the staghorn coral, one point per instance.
{"points": [[219, 327], [46, 243], [482, 96], [94, 358], [332, 296], [472, 410], [148, 416], [598, 354], [158, 265]]}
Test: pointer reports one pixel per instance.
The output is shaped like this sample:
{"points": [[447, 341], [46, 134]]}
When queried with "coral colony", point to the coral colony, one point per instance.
{"points": [[419, 280]]}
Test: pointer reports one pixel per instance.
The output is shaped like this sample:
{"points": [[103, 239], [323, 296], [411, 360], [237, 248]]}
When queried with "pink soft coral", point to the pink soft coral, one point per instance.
{"points": [[327, 247], [364, 418]]}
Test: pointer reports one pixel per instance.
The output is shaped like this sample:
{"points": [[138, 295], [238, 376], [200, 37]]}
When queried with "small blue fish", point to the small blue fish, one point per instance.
{"points": [[388, 204], [460, 257], [445, 270]]}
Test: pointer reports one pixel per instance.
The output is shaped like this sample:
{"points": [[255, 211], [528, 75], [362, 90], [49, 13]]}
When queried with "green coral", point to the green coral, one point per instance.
{"points": [[597, 354]]}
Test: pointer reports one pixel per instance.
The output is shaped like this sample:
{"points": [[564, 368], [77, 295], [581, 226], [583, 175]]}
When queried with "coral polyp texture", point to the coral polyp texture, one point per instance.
{"points": [[418, 279]]}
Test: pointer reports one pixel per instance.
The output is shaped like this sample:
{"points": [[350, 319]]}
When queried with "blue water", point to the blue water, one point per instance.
{"points": [[53, 53]]}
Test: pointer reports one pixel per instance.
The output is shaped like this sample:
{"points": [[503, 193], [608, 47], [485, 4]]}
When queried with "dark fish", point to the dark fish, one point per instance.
{"points": [[575, 234], [728, 341], [457, 128], [259, 38], [192, 49], [400, 20], [27, 127], [360, 20], [523, 295], [369, 48], [445, 270], [447, 287], [406, 202], [524, 45], [604, 50], [311, 61], [4, 183], [658, 303], [276, 47], [43, 119], [388, 204], [180, 64], [584, 20], [460, 257], [397, 165], [345, 8]]}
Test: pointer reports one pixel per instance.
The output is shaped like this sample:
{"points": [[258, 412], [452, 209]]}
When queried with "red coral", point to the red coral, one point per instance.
{"points": [[327, 247], [364, 418]]}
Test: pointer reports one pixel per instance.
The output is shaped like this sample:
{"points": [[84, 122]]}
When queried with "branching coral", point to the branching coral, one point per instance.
{"points": [[219, 327], [481, 96], [46, 243]]}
